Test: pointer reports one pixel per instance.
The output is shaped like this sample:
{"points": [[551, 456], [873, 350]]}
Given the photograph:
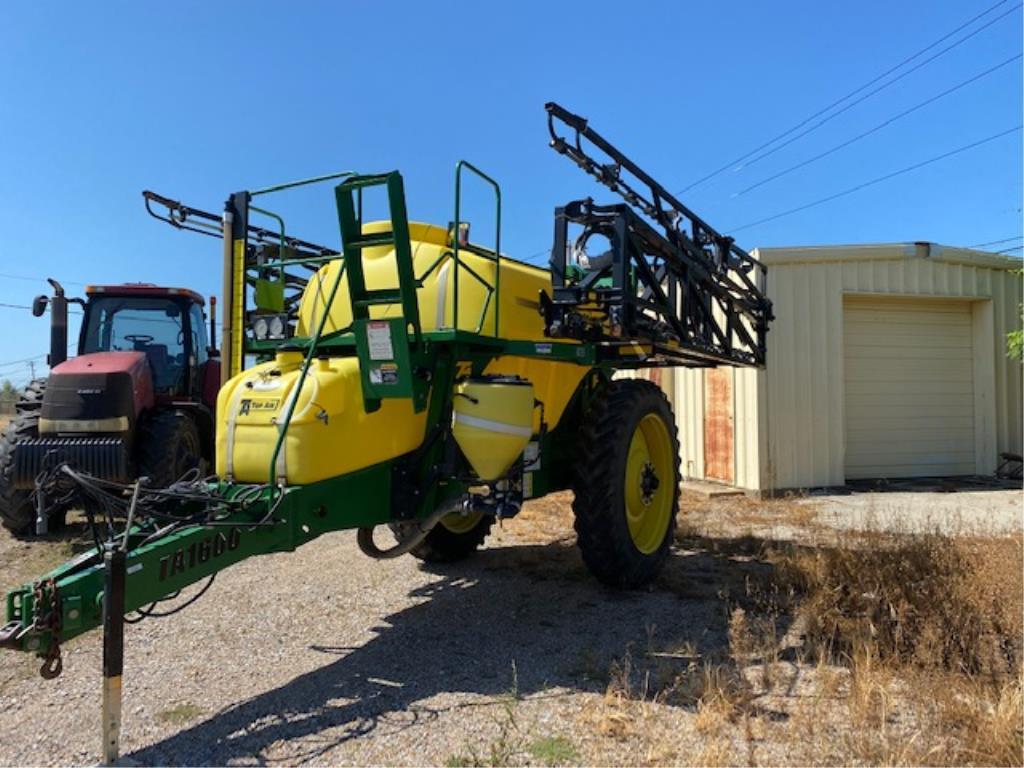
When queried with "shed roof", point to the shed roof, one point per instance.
{"points": [[811, 254]]}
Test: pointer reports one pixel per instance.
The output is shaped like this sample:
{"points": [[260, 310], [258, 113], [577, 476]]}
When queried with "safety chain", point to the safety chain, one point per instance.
{"points": [[48, 622]]}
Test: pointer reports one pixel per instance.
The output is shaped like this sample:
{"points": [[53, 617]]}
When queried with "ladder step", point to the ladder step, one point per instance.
{"points": [[372, 241], [380, 296], [361, 182]]}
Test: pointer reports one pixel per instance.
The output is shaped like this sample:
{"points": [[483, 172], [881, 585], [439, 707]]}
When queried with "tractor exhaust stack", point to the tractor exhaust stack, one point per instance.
{"points": [[58, 322]]}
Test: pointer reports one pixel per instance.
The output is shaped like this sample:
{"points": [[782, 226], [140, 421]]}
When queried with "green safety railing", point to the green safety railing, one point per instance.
{"points": [[496, 288], [492, 290], [315, 340], [280, 262]]}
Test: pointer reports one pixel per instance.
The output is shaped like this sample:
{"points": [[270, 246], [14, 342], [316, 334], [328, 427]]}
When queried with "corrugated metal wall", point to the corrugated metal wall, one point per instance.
{"points": [[790, 418]]}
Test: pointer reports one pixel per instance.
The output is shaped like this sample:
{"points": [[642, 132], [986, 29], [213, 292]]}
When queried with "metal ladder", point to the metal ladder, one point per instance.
{"points": [[390, 349], [348, 195]]}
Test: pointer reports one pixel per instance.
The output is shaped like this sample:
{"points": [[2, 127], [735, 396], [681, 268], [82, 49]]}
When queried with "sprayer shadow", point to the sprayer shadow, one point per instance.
{"points": [[523, 619]]}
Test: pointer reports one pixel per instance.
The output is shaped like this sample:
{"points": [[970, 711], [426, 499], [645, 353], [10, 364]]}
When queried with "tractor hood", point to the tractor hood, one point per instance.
{"points": [[98, 393]]}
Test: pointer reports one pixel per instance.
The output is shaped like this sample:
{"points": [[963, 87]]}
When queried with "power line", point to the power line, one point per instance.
{"points": [[878, 180], [1014, 248], [880, 88], [23, 361], [836, 103], [878, 127], [996, 242], [26, 306], [36, 279]]}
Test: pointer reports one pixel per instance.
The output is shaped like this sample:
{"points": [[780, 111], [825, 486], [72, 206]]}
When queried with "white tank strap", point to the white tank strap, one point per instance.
{"points": [[493, 426]]}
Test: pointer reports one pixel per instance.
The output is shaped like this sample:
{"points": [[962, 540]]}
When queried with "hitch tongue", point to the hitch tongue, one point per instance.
{"points": [[10, 635]]}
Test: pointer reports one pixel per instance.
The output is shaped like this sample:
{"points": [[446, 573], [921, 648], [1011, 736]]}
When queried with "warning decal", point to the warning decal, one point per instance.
{"points": [[378, 339]]}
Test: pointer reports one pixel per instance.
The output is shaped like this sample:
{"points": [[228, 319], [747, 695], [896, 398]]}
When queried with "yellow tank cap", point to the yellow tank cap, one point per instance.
{"points": [[287, 357]]}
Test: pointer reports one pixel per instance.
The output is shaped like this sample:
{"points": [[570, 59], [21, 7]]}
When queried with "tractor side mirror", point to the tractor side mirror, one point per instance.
{"points": [[39, 305]]}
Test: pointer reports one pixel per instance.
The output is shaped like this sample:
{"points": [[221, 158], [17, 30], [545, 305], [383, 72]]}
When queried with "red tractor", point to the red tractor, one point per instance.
{"points": [[138, 399]]}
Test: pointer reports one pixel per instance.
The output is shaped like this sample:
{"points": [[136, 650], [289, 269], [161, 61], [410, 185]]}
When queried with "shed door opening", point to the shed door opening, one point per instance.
{"points": [[718, 425], [909, 387]]}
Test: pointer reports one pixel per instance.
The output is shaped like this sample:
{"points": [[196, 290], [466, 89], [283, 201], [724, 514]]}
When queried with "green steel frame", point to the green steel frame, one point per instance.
{"points": [[409, 487]]}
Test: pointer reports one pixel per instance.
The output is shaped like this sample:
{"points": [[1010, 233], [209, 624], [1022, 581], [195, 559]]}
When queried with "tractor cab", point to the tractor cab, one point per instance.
{"points": [[136, 401], [165, 324]]}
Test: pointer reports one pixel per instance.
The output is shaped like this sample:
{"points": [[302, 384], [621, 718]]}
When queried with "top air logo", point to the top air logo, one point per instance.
{"points": [[249, 405]]}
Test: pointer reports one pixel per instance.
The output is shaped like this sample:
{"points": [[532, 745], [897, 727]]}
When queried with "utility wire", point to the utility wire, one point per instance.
{"points": [[836, 103], [1014, 248], [878, 180], [541, 252], [880, 88], [36, 279], [24, 361], [27, 360], [996, 242], [878, 127], [26, 306]]}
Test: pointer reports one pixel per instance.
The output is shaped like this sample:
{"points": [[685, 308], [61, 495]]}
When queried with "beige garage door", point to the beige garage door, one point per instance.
{"points": [[909, 388]]}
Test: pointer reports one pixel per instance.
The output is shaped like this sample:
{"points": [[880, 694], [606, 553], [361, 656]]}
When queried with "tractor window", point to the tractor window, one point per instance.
{"points": [[199, 343], [150, 325]]}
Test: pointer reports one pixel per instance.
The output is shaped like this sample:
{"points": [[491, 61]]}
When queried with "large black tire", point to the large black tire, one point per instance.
{"points": [[17, 510], [604, 506], [167, 446], [447, 543]]}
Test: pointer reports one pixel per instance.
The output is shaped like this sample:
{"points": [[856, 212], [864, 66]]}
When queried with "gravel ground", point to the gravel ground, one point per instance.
{"points": [[323, 656], [986, 512]]}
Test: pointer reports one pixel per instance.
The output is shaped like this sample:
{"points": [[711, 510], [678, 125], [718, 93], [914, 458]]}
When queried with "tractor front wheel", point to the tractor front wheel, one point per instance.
{"points": [[627, 483], [17, 510], [168, 447]]}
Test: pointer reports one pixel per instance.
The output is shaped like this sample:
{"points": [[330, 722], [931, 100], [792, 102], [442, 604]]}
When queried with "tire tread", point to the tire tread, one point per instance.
{"points": [[602, 532]]}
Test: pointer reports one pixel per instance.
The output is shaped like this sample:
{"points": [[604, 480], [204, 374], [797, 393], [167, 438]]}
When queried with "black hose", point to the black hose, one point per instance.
{"points": [[364, 536], [148, 612]]}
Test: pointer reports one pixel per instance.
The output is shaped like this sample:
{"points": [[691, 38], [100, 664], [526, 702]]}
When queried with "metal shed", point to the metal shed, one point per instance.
{"points": [[883, 361]]}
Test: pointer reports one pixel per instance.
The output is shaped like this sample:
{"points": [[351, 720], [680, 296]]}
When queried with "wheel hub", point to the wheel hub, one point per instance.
{"points": [[649, 483]]}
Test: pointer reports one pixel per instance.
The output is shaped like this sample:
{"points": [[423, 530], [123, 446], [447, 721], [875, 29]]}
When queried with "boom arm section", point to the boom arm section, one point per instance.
{"points": [[688, 289]]}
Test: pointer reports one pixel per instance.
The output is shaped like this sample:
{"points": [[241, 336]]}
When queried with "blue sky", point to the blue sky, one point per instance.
{"points": [[195, 100]]}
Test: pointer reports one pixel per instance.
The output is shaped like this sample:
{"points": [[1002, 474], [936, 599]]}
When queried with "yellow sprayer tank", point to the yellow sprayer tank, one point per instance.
{"points": [[330, 433], [329, 430]]}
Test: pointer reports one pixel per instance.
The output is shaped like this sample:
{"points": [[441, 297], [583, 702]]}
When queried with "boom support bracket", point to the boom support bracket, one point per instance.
{"points": [[667, 278]]}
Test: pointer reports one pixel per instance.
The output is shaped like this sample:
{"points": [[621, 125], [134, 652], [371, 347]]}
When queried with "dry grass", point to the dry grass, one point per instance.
{"points": [[930, 631], [922, 601], [725, 515], [875, 649]]}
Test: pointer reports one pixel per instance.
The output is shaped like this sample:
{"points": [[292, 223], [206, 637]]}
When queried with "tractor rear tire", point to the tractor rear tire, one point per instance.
{"points": [[451, 539], [17, 510], [168, 446], [626, 484]]}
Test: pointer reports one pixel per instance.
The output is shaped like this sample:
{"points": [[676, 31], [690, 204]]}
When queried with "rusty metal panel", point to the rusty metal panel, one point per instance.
{"points": [[719, 430]]}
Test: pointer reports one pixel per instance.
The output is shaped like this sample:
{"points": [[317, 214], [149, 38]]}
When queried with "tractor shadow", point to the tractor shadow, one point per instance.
{"points": [[525, 620]]}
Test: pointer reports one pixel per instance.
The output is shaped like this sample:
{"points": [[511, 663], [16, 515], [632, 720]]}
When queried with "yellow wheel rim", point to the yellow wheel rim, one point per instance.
{"points": [[457, 522], [649, 483]]}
